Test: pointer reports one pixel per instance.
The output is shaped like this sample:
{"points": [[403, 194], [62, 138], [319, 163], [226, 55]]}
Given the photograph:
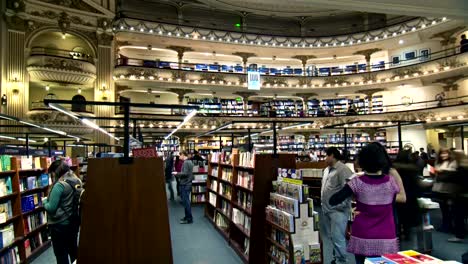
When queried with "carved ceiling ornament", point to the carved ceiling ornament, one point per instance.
{"points": [[407, 71], [276, 80], [335, 80], [74, 4], [209, 77], [448, 35], [452, 62]]}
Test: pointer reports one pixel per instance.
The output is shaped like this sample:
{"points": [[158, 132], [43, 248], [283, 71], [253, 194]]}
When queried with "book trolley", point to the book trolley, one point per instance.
{"points": [[238, 189], [292, 229]]}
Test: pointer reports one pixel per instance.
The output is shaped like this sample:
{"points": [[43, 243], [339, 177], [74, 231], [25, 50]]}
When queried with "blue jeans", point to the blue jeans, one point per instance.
{"points": [[185, 191], [333, 228]]}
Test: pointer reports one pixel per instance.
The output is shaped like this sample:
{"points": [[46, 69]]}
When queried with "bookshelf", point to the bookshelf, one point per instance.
{"points": [[237, 196], [23, 219], [198, 195]]}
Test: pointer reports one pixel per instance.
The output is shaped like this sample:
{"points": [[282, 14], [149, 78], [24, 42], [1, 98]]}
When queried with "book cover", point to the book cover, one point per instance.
{"points": [[399, 259], [9, 188], [299, 257], [378, 260], [31, 181], [3, 187], [27, 247], [315, 253], [418, 256]]}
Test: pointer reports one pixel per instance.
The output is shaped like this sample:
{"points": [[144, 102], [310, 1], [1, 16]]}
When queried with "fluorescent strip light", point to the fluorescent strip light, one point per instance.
{"points": [[215, 130], [23, 139], [186, 119], [251, 135], [268, 131], [10, 118], [63, 110], [54, 131], [29, 124], [96, 127], [7, 137], [294, 126]]}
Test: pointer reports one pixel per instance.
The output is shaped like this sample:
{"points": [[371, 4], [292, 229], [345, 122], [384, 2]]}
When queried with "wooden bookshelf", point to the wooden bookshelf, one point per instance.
{"points": [[262, 186]]}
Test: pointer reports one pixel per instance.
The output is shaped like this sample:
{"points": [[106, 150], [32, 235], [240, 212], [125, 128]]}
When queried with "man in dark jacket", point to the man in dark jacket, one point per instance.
{"points": [[168, 168], [185, 182]]}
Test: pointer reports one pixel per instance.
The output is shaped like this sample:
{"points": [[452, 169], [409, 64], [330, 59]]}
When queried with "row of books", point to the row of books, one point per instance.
{"points": [[246, 159], [227, 174], [35, 241], [245, 179], [28, 163], [214, 184], [407, 257], [5, 186], [280, 237], [212, 199], [198, 188], [35, 220], [198, 198], [7, 235], [285, 203], [5, 163], [312, 173], [225, 207], [6, 212], [225, 190], [280, 218], [221, 221], [281, 256], [295, 191], [10, 256], [33, 182], [214, 171], [241, 219], [315, 255], [244, 199], [30, 202]]}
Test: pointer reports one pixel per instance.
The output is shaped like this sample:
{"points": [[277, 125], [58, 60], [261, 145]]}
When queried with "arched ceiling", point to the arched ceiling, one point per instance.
{"points": [[272, 17]]}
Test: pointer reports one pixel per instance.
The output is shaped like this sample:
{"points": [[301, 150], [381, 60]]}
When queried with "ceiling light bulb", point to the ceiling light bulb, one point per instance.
{"points": [[401, 41], [79, 90], [47, 87]]}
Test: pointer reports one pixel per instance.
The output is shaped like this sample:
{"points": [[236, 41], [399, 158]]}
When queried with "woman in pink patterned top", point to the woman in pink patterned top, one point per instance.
{"points": [[373, 230]]}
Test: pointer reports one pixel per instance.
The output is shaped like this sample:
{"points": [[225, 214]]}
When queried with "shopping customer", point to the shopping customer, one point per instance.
{"points": [[168, 168], [60, 212], [185, 183], [334, 219], [373, 230], [445, 169], [178, 168]]}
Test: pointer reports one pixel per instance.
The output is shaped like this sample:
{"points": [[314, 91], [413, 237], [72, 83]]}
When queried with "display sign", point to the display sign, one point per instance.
{"points": [[144, 152], [253, 80]]}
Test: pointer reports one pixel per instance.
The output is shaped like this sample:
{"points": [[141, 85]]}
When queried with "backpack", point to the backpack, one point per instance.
{"points": [[77, 188]]}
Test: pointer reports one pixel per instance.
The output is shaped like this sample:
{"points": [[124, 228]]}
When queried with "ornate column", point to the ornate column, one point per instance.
{"points": [[15, 79], [104, 89], [245, 99], [180, 95], [304, 59], [305, 98], [370, 93], [180, 53], [245, 56], [367, 54]]}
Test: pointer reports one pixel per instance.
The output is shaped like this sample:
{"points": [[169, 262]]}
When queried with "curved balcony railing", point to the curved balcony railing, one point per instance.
{"points": [[78, 108], [314, 109], [287, 71], [62, 54]]}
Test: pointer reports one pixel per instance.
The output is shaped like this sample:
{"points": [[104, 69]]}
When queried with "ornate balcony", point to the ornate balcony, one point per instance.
{"points": [[435, 66], [61, 66]]}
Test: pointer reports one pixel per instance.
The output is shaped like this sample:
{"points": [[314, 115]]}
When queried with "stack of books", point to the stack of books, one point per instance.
{"points": [[285, 203], [280, 218], [6, 212], [241, 219], [406, 257], [30, 202], [246, 159]]}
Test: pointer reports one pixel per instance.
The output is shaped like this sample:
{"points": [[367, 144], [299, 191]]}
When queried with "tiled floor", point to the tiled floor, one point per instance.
{"points": [[199, 243]]}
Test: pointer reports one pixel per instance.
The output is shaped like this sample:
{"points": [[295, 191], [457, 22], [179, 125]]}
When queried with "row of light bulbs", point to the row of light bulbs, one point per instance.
{"points": [[213, 82], [47, 88], [448, 118], [275, 44]]}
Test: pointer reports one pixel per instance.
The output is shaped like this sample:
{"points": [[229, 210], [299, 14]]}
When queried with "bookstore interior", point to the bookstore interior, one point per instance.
{"points": [[257, 95]]}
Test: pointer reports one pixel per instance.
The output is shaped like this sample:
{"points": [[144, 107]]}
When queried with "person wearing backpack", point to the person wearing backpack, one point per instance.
{"points": [[62, 207]]}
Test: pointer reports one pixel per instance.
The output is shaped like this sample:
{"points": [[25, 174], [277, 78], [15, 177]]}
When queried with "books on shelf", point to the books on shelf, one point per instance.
{"points": [[315, 253], [10, 256], [225, 190], [198, 198], [214, 184], [26, 162], [30, 202], [7, 235], [312, 173], [215, 157], [245, 179], [244, 199], [247, 159], [6, 212], [214, 171], [280, 237], [221, 221], [226, 174], [212, 198], [280, 218], [241, 219], [281, 256], [225, 207], [198, 188], [295, 191], [33, 221], [5, 186], [5, 163], [285, 203]]}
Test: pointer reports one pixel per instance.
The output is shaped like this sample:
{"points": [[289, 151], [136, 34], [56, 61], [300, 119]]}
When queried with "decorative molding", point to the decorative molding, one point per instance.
{"points": [[448, 35], [42, 73], [176, 31]]}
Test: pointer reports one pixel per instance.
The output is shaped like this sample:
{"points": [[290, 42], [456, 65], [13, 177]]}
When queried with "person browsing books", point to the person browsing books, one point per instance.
{"points": [[185, 183], [335, 218], [373, 231], [59, 206], [168, 168]]}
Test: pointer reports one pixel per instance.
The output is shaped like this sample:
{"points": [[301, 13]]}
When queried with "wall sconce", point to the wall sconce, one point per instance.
{"points": [[104, 92], [47, 87], [15, 84], [4, 99], [79, 90]]}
